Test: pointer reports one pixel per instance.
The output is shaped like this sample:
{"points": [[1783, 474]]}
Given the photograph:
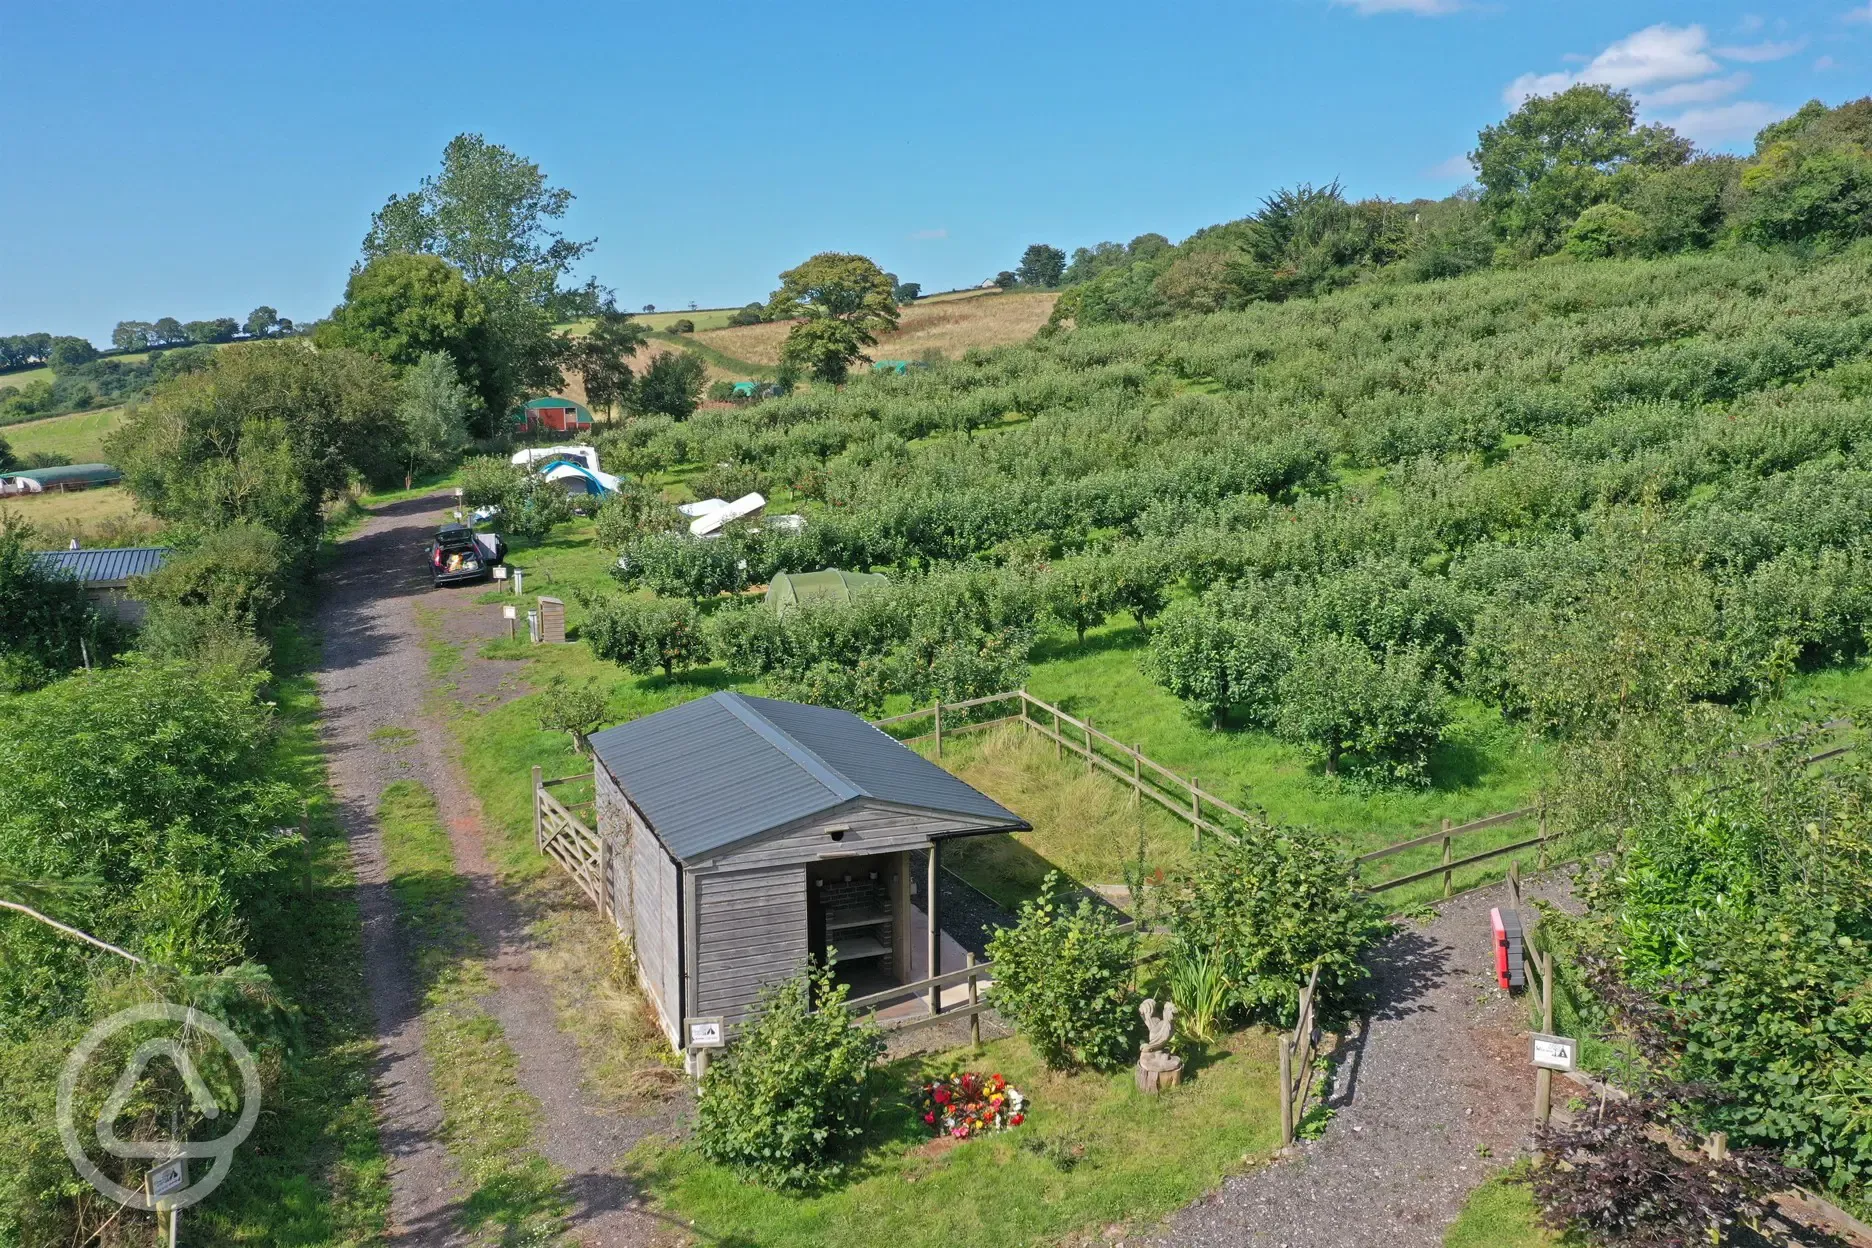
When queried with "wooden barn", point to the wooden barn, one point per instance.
{"points": [[743, 834]]}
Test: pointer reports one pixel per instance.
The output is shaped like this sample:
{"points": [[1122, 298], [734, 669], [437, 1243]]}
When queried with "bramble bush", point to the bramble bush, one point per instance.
{"points": [[788, 1102], [1065, 975]]}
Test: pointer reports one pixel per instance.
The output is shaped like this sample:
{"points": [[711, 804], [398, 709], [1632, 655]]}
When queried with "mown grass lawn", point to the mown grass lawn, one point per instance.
{"points": [[79, 436], [1093, 1151]]}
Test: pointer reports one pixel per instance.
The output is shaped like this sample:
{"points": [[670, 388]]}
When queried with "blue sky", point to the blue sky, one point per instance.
{"points": [[197, 160]]}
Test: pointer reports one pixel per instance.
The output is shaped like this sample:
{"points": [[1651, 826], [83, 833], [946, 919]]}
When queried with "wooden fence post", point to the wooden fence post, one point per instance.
{"points": [[932, 900], [1448, 875], [1286, 1090], [1543, 836], [1088, 745], [539, 830], [1543, 1078], [974, 1000], [1137, 774], [1196, 809], [1059, 738], [939, 728], [605, 909]]}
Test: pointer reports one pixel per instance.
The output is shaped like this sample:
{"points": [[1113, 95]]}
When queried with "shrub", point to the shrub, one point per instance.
{"points": [[577, 710], [721, 391], [1383, 716], [677, 565], [1064, 975], [235, 575], [1269, 907], [751, 314], [44, 614], [1604, 231], [632, 510], [730, 481], [791, 1097], [644, 637], [682, 325], [671, 385]]}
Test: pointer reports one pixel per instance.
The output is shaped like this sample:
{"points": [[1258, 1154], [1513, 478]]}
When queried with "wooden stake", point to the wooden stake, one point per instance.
{"points": [[1543, 1078], [1059, 738], [1137, 773], [1196, 809], [974, 1000], [934, 907], [1286, 1090], [1448, 875], [939, 730], [539, 829]]}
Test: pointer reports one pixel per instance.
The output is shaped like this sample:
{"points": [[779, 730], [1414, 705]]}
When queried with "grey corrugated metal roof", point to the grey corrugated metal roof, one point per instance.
{"points": [[98, 567], [721, 769]]}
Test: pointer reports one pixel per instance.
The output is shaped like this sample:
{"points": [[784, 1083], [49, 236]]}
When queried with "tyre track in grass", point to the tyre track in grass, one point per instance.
{"points": [[380, 728]]}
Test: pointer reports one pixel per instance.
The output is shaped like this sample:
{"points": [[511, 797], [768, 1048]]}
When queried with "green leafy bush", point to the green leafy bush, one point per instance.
{"points": [[644, 637], [788, 1101], [1064, 974], [1604, 231], [1269, 907], [1377, 716]]}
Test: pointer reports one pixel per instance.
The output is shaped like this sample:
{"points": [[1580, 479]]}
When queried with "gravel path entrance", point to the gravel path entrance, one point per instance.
{"points": [[374, 677], [1432, 1095]]}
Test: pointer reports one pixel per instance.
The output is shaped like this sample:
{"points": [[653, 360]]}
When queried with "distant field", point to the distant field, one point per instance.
{"points": [[79, 436], [575, 385], [950, 324], [25, 377], [105, 516], [704, 318]]}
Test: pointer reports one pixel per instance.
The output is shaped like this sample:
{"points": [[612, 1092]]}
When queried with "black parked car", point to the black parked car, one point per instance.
{"points": [[459, 554]]}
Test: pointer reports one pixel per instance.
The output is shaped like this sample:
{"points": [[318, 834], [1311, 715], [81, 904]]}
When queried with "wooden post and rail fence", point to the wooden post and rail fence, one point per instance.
{"points": [[1297, 1053]]}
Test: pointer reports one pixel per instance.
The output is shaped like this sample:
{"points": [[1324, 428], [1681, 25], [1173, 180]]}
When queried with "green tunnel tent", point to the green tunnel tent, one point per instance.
{"points": [[792, 589]]}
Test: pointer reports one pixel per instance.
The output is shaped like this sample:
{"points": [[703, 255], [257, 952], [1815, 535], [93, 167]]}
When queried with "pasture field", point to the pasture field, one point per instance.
{"points": [[950, 325], [78, 436], [704, 318], [26, 376]]}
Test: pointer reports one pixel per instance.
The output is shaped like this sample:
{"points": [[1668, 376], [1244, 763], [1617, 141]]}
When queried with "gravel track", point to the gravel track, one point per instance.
{"points": [[375, 676], [1433, 1092]]}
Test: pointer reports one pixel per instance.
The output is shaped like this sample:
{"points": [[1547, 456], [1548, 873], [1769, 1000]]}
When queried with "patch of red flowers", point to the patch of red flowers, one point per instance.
{"points": [[967, 1104]]}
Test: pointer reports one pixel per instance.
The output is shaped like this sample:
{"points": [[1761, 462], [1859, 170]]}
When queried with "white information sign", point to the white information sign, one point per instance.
{"points": [[170, 1178], [500, 571], [509, 613], [707, 1033], [1556, 1052]]}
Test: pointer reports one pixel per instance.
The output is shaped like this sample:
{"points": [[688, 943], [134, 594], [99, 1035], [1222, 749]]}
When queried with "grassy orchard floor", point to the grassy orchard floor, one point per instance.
{"points": [[1092, 1151]]}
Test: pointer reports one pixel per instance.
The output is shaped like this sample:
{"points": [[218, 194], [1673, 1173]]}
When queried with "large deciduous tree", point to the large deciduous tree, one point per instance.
{"points": [[601, 357], [1558, 155], [492, 214], [402, 307], [671, 386], [842, 302], [267, 435], [1042, 265], [433, 415], [261, 322]]}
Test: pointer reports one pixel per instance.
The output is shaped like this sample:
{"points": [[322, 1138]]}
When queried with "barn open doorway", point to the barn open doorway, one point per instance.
{"points": [[860, 909]]}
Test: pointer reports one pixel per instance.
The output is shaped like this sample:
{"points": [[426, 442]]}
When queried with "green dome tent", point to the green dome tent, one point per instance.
{"points": [[790, 589]]}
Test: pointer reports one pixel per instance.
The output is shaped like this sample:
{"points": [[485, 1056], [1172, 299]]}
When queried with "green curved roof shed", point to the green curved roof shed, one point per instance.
{"points": [[791, 589]]}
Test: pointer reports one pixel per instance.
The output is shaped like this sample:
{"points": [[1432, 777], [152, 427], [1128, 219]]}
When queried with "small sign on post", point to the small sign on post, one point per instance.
{"points": [[705, 1034], [164, 1180], [512, 615], [1556, 1052], [500, 571]]}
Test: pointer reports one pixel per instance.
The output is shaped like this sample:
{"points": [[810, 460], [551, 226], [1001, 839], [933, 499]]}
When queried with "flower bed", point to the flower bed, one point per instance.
{"points": [[968, 1104]]}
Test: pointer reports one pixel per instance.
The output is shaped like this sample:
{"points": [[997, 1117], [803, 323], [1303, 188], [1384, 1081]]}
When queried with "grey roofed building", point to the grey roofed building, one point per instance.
{"points": [[719, 770], [109, 568], [106, 572], [739, 838]]}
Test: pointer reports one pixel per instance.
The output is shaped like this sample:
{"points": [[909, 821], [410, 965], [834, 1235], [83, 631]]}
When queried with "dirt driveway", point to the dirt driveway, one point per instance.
{"points": [[375, 684]]}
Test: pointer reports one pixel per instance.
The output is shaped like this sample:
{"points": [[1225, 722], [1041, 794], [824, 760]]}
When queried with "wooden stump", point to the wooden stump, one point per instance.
{"points": [[1151, 1081]]}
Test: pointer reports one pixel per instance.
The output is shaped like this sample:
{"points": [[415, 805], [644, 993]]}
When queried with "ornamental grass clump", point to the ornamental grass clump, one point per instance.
{"points": [[1064, 975], [789, 1101], [967, 1104]]}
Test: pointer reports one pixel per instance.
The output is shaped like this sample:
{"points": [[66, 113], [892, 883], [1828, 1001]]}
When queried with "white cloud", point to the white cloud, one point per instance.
{"points": [[1705, 91], [1420, 8], [927, 235], [1654, 56], [1755, 53], [1825, 63], [1861, 14], [1726, 121], [1457, 166]]}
